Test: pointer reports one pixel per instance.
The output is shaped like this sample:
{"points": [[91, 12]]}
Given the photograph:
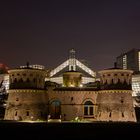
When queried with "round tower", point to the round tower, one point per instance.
{"points": [[26, 95], [72, 79], [114, 100]]}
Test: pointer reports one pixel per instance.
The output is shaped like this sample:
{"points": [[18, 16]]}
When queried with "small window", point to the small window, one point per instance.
{"points": [[122, 74], [112, 81], [108, 75], [27, 113], [24, 74], [115, 74], [122, 114], [110, 114], [18, 74], [118, 80], [71, 98], [17, 99], [16, 113], [122, 100]]}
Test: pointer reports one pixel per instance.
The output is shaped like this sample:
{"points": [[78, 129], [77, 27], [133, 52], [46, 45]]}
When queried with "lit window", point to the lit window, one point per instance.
{"points": [[125, 62]]}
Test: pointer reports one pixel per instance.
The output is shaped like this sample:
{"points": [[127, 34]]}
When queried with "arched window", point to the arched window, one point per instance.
{"points": [[88, 108]]}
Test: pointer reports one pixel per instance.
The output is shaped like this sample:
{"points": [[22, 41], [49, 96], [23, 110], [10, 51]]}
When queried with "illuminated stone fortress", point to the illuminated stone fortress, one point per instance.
{"points": [[31, 97]]}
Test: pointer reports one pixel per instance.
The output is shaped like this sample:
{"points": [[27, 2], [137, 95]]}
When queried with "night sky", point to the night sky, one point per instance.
{"points": [[43, 32]]}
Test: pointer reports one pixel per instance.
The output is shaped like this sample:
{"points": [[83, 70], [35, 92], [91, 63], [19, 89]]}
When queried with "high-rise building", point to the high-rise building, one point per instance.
{"points": [[130, 60]]}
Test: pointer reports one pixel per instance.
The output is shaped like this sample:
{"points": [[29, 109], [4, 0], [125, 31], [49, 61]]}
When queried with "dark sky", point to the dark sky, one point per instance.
{"points": [[43, 32]]}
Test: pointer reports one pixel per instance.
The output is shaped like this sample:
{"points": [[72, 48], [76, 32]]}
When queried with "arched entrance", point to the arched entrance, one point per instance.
{"points": [[55, 109]]}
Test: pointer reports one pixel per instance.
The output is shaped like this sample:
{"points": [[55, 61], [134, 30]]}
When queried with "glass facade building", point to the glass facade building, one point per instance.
{"points": [[129, 60]]}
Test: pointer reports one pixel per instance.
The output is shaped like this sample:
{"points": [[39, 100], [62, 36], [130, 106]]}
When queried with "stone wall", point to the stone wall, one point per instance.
{"points": [[72, 102], [26, 105], [115, 105]]}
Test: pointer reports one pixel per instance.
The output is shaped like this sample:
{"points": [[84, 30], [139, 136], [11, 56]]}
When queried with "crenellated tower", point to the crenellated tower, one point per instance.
{"points": [[115, 97], [26, 95]]}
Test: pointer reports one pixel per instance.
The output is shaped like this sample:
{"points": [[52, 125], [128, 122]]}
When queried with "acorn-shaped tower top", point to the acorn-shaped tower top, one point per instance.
{"points": [[116, 78]]}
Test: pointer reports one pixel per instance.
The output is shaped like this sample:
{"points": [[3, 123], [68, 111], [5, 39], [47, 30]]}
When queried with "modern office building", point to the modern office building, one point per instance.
{"points": [[130, 60]]}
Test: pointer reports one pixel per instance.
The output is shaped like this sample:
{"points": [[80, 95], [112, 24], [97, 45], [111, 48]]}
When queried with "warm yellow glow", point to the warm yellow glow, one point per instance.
{"points": [[54, 120], [71, 85], [81, 85]]}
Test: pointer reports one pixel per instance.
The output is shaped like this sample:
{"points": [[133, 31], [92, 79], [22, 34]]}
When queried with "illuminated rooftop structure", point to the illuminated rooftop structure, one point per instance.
{"points": [[72, 64], [35, 66]]}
